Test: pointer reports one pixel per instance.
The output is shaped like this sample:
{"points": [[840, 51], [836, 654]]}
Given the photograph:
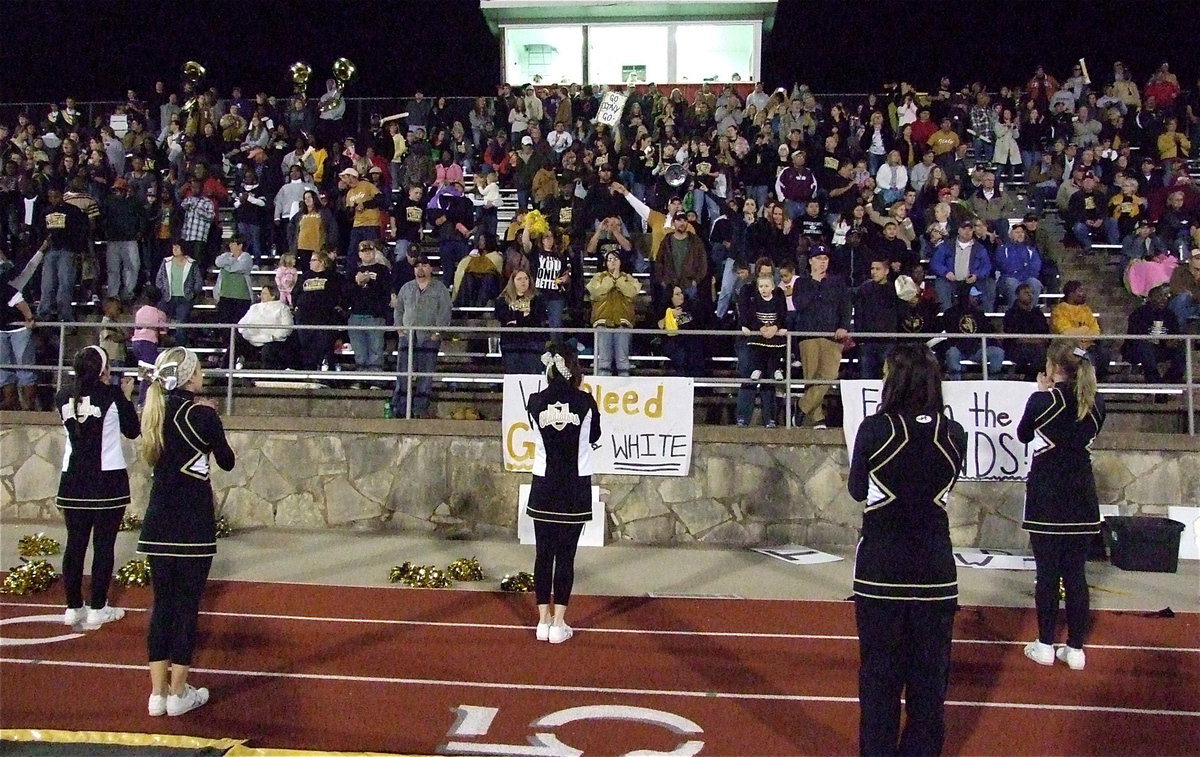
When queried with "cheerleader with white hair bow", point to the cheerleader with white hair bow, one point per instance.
{"points": [[94, 487], [179, 434], [566, 425]]}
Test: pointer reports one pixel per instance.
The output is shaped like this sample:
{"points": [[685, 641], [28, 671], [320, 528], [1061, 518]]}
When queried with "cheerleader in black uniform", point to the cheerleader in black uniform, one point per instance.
{"points": [[1062, 510], [94, 488], [906, 459], [566, 424], [179, 432]]}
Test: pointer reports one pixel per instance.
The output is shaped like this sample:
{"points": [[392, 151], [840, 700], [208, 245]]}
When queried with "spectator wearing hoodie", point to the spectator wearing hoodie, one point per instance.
{"points": [[1017, 262], [267, 326]]}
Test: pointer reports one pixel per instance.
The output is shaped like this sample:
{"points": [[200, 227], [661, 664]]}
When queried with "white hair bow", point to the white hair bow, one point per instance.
{"points": [[166, 374], [560, 365]]}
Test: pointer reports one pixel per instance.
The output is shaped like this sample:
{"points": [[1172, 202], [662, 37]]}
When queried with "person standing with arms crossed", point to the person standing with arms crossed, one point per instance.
{"points": [[179, 433], [94, 487], [906, 460], [566, 423], [1062, 511]]}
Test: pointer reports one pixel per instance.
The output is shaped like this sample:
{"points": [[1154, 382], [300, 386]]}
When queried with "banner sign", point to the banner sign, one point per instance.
{"points": [[645, 424], [612, 105], [988, 410]]}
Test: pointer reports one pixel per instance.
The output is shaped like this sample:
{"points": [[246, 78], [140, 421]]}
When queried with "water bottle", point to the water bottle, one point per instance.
{"points": [[387, 410]]}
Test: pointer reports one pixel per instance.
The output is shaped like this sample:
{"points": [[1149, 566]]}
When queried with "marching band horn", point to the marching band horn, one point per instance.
{"points": [[193, 72], [675, 175], [343, 72], [300, 73], [1087, 80]]}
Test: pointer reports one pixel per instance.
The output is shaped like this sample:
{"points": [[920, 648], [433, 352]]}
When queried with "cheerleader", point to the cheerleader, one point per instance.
{"points": [[906, 459], [94, 488], [1062, 511], [179, 433], [566, 423]]}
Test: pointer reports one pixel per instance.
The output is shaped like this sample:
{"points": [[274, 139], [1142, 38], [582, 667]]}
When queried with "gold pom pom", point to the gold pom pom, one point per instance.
{"points": [[522, 581], [29, 578], [130, 522], [223, 527], [37, 545], [465, 569], [134, 573], [399, 573], [536, 223]]}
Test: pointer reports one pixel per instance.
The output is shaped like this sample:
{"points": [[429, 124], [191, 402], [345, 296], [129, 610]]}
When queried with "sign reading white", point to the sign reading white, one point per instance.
{"points": [[798, 555], [611, 107], [989, 411], [593, 530], [645, 423]]}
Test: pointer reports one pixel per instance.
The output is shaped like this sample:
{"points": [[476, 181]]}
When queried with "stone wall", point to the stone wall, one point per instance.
{"points": [[446, 479]]}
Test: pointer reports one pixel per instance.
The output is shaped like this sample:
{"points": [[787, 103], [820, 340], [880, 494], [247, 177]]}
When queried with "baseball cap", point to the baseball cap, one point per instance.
{"points": [[1089, 175], [420, 258], [349, 172], [965, 224], [375, 169], [817, 250], [1031, 217], [975, 292], [1143, 223], [681, 216], [526, 140]]}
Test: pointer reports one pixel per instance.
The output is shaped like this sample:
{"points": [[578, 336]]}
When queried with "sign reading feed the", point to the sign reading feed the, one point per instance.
{"points": [[988, 410], [645, 424]]}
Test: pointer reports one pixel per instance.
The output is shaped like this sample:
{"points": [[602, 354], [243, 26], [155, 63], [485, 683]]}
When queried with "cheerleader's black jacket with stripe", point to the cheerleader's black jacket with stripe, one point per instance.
{"points": [[180, 519], [567, 424], [94, 473], [1060, 493], [902, 469]]}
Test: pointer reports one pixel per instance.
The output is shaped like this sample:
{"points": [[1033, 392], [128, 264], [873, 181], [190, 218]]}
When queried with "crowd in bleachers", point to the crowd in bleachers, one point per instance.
{"points": [[737, 208]]}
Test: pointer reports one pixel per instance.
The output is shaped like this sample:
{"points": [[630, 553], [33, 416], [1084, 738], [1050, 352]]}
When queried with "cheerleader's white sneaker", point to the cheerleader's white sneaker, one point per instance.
{"points": [[1074, 658], [543, 631], [74, 616], [157, 705], [190, 699], [559, 634], [1042, 654], [106, 614]]}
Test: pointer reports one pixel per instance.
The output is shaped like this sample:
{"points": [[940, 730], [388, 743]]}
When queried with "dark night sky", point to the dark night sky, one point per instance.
{"points": [[445, 46]]}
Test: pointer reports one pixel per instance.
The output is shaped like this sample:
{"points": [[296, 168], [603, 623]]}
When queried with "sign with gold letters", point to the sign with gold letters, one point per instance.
{"points": [[645, 423]]}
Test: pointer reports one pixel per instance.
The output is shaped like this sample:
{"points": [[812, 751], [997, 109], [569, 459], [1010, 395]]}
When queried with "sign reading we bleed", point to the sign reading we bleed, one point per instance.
{"points": [[989, 412], [645, 424]]}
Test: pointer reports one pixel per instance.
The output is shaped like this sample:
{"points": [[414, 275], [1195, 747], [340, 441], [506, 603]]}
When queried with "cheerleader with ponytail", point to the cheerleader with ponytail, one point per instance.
{"points": [[94, 488], [1062, 512], [179, 433], [566, 425]]}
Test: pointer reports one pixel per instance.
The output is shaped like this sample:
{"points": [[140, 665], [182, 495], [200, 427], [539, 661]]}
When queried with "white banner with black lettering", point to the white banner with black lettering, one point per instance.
{"points": [[988, 410], [611, 107], [645, 424]]}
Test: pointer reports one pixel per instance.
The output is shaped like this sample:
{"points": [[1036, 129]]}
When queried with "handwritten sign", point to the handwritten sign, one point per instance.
{"points": [[611, 107], [993, 559], [645, 422], [988, 410]]}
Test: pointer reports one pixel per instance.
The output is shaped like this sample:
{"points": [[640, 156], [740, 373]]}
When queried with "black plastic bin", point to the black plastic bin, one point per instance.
{"points": [[1143, 543]]}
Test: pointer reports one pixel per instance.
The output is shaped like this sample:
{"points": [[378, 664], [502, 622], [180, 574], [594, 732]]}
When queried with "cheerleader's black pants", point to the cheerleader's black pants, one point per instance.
{"points": [[904, 649], [178, 583], [554, 561], [100, 527], [1061, 558]]}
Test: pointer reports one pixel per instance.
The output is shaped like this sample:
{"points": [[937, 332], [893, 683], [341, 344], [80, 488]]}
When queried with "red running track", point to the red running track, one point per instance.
{"points": [[428, 671]]}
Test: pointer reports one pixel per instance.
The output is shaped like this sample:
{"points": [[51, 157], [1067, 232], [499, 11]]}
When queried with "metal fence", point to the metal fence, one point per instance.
{"points": [[404, 376]]}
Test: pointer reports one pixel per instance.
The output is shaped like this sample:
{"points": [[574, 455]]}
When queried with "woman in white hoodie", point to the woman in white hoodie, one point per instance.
{"points": [[267, 325]]}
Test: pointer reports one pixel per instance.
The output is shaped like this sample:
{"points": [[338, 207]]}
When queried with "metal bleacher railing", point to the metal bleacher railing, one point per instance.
{"points": [[792, 385]]}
